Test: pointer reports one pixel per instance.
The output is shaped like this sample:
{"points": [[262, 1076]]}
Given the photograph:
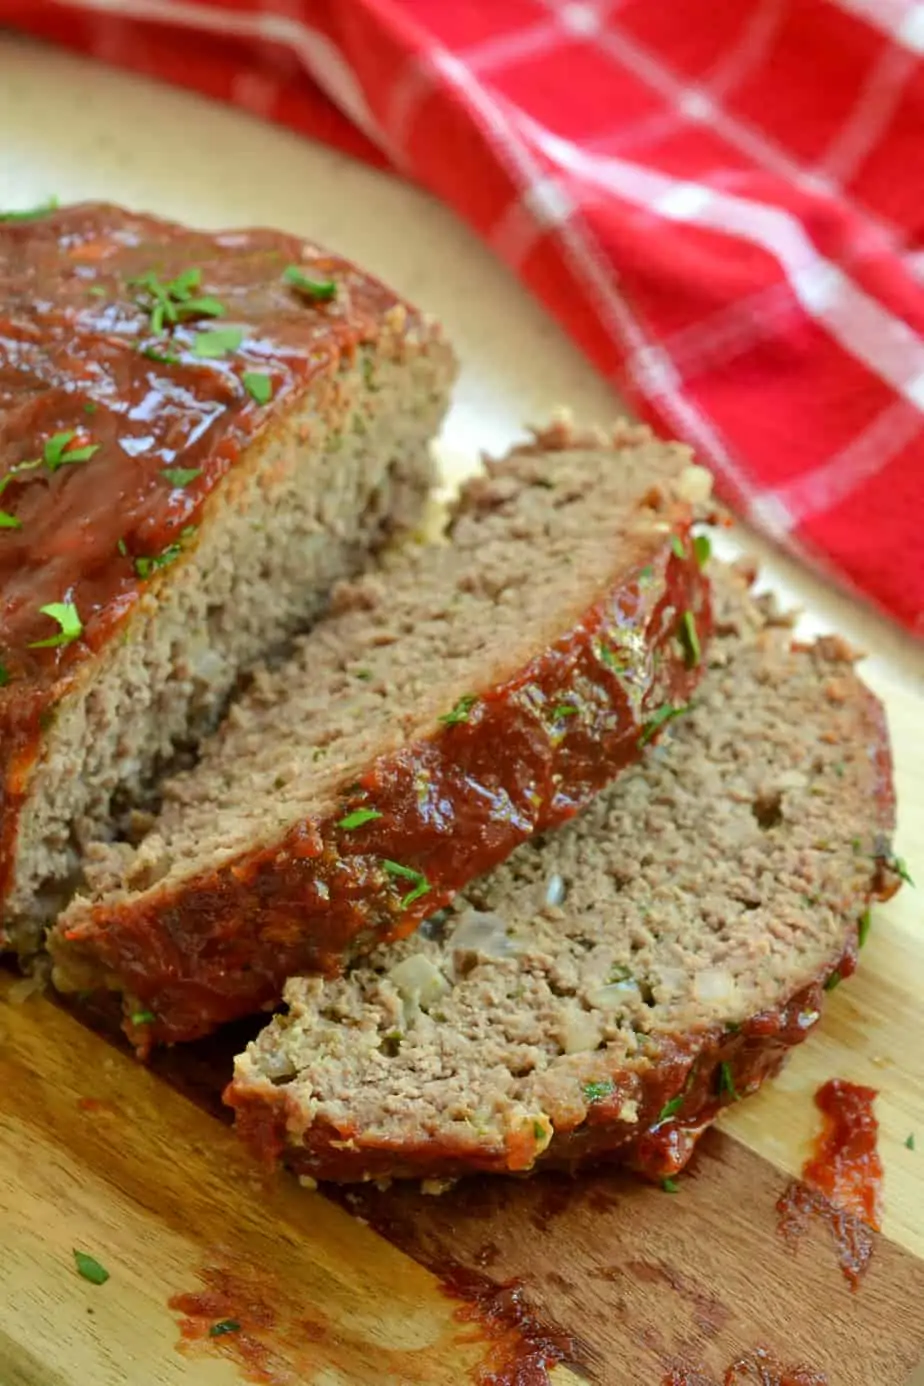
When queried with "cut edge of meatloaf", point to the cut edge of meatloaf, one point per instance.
{"points": [[324, 485], [470, 693], [612, 985]]}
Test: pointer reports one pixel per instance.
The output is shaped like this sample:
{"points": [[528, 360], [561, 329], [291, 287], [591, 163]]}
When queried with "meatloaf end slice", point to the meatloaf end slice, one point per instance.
{"points": [[193, 448], [611, 986], [469, 694]]}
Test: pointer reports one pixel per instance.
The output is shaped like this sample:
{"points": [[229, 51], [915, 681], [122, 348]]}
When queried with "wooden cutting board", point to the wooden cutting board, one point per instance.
{"points": [[102, 1155]]}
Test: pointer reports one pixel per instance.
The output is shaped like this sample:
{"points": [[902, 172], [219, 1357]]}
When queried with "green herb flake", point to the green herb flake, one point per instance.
{"points": [[90, 407], [565, 710], [460, 712], [647, 573], [146, 567], [727, 1082], [611, 659], [596, 1092], [173, 301], [670, 1186], [369, 375], [31, 213], [96, 291], [833, 981], [900, 868], [407, 873], [357, 818], [670, 1109], [620, 973], [319, 290], [364, 674], [8, 521], [659, 718], [677, 548], [221, 341], [71, 626], [58, 453], [90, 1268], [689, 638], [218, 1330], [258, 385], [122, 548], [4, 676], [539, 1131], [163, 358], [909, 1142], [864, 926], [181, 476], [142, 1017], [702, 549]]}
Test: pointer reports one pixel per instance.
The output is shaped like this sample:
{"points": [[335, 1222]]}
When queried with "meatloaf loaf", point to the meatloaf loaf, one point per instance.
{"points": [[473, 692], [198, 435], [612, 985]]}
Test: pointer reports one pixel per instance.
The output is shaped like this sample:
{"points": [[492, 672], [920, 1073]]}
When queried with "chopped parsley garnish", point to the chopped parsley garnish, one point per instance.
{"points": [[8, 521], [65, 614], [364, 674], [4, 676], [144, 567], [163, 358], [727, 1082], [357, 818], [900, 868], [539, 1131], [181, 476], [219, 342], [173, 301], [143, 1017], [122, 548], [90, 407], [96, 291], [565, 710], [620, 973], [677, 548], [16, 469], [596, 1092], [647, 573], [460, 712], [320, 290], [833, 981], [671, 1108], [90, 1268], [670, 1186], [31, 213], [702, 549], [659, 718], [864, 926], [909, 1142], [407, 873], [690, 639], [218, 1330], [611, 660], [59, 453], [258, 385]]}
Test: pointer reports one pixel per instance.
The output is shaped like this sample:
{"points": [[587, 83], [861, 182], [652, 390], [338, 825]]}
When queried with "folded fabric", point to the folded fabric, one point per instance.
{"points": [[720, 201]]}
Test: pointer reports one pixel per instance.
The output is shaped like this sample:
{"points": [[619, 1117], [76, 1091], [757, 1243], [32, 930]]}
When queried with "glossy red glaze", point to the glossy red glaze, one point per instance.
{"points": [[222, 944], [73, 330], [842, 1179], [758, 1368]]}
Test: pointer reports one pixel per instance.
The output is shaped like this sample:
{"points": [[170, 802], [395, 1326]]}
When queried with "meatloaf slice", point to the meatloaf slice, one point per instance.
{"points": [[614, 984], [199, 434], [466, 696]]}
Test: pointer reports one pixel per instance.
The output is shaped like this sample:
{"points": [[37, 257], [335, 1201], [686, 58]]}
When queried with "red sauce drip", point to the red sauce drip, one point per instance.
{"points": [[754, 1369], [842, 1179], [523, 1350]]}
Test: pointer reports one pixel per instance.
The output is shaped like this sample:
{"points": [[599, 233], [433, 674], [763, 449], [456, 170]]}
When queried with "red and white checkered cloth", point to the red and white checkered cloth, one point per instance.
{"points": [[721, 200]]}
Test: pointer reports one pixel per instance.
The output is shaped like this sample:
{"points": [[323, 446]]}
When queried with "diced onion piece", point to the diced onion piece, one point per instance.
{"points": [[715, 984], [672, 979], [554, 890], [579, 1032], [419, 980], [695, 484], [482, 932], [614, 995]]}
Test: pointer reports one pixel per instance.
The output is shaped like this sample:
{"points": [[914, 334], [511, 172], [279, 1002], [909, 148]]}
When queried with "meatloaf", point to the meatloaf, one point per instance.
{"points": [[199, 434], [613, 985], [471, 693]]}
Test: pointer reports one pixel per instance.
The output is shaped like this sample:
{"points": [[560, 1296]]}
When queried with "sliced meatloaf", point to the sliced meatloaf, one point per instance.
{"points": [[468, 695], [614, 984], [199, 434]]}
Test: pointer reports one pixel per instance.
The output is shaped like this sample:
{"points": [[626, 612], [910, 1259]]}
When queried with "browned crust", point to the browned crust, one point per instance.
{"points": [[223, 943]]}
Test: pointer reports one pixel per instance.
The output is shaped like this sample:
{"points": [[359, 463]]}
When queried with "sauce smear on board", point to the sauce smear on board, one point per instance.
{"points": [[842, 1181], [754, 1369]]}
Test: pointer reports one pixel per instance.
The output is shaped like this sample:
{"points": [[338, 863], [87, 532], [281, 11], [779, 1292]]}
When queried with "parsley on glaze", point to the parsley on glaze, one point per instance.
{"points": [[595, 1092], [407, 873], [727, 1082], [689, 637], [69, 622], [357, 818], [702, 549], [8, 521], [59, 453], [258, 385], [677, 548], [320, 290], [659, 718], [671, 1108], [181, 476], [219, 342], [460, 712]]}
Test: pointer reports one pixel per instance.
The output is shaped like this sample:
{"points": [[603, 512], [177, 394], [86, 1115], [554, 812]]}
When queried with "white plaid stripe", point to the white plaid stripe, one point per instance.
{"points": [[901, 20], [875, 105]]}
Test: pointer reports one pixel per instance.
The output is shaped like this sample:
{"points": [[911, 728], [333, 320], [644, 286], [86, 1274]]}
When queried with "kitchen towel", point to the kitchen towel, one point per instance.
{"points": [[722, 201]]}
